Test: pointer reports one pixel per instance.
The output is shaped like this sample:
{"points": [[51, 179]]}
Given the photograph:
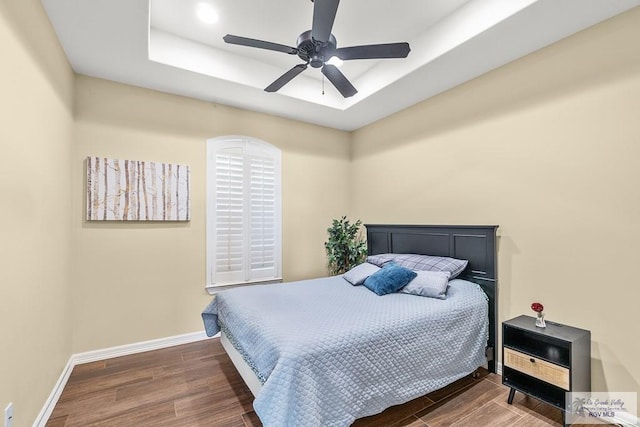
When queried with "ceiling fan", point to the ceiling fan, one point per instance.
{"points": [[318, 45]]}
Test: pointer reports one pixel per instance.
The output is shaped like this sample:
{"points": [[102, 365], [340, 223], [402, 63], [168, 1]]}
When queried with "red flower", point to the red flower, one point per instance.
{"points": [[537, 307]]}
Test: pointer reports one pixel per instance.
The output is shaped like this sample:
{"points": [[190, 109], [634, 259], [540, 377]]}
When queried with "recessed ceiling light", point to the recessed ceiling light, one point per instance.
{"points": [[334, 60], [206, 13]]}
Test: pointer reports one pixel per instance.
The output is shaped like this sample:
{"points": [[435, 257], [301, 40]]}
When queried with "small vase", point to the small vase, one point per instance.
{"points": [[540, 321]]}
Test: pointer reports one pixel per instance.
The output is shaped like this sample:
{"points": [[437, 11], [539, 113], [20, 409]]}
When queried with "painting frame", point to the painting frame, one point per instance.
{"points": [[136, 190]]}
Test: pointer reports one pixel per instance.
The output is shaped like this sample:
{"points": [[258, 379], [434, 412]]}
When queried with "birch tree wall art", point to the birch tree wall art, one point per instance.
{"points": [[131, 190]]}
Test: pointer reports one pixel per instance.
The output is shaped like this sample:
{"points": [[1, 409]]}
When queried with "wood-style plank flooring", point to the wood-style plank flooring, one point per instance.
{"points": [[197, 385]]}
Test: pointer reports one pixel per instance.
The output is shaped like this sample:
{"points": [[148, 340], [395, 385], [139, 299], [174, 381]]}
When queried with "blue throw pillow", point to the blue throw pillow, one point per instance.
{"points": [[389, 278]]}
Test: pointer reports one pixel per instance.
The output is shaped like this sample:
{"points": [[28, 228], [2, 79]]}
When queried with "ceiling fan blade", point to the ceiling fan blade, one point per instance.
{"points": [[324, 13], [338, 79], [374, 51], [285, 78], [261, 44]]}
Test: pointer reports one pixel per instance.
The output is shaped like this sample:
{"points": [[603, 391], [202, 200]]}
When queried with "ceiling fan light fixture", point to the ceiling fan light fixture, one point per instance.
{"points": [[334, 60], [206, 13]]}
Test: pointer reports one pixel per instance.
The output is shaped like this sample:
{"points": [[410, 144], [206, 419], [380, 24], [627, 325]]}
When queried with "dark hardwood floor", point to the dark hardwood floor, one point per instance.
{"points": [[197, 385]]}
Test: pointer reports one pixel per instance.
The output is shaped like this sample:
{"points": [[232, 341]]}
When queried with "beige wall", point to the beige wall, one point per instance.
{"points": [[548, 148], [136, 281], [36, 85]]}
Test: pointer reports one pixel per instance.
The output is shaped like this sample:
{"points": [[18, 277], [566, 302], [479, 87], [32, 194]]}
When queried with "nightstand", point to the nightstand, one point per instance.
{"points": [[545, 363]]}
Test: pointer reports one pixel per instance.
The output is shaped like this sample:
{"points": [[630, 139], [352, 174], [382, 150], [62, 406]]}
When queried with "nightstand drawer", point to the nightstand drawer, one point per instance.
{"points": [[538, 368]]}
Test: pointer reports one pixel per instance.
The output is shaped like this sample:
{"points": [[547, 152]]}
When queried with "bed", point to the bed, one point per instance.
{"points": [[323, 352]]}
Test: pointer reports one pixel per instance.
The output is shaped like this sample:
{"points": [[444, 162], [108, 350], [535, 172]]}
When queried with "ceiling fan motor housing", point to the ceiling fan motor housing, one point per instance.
{"points": [[313, 51]]}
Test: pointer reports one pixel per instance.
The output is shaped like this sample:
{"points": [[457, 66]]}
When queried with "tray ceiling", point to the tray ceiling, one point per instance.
{"points": [[163, 45]]}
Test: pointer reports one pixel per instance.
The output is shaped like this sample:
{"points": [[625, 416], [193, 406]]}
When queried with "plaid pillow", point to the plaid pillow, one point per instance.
{"points": [[421, 262], [380, 259]]}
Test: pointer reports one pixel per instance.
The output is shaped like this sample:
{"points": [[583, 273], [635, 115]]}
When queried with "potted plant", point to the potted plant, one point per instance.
{"points": [[345, 247]]}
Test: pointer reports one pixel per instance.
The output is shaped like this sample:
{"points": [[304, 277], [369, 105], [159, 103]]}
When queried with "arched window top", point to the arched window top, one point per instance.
{"points": [[258, 143]]}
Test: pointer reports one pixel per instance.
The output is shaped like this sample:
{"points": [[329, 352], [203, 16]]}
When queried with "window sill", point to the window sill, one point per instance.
{"points": [[214, 289]]}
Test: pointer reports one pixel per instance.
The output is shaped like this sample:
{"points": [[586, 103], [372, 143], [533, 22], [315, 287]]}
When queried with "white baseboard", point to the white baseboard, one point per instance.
{"points": [[139, 347], [626, 420], [108, 353], [51, 401]]}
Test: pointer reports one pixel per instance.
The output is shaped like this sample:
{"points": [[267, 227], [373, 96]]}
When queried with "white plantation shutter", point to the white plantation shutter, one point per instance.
{"points": [[229, 215], [262, 223], [243, 215]]}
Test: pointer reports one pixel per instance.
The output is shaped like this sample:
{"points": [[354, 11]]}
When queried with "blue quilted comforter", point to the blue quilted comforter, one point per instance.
{"points": [[328, 352]]}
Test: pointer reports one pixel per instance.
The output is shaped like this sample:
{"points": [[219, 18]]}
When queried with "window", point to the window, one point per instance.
{"points": [[243, 211]]}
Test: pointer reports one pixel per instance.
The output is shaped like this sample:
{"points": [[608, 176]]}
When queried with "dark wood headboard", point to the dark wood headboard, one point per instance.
{"points": [[475, 243]]}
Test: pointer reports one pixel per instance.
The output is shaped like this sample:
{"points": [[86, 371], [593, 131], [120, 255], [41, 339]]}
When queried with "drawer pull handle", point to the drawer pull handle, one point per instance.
{"points": [[532, 360]]}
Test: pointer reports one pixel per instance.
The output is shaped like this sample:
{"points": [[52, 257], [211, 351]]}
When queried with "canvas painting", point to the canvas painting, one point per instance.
{"points": [[131, 190]]}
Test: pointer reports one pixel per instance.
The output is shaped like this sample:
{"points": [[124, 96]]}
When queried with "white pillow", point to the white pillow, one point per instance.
{"points": [[358, 274], [432, 284]]}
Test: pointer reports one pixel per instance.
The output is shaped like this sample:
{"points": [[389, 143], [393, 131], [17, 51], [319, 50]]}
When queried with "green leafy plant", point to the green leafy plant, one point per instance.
{"points": [[345, 247]]}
